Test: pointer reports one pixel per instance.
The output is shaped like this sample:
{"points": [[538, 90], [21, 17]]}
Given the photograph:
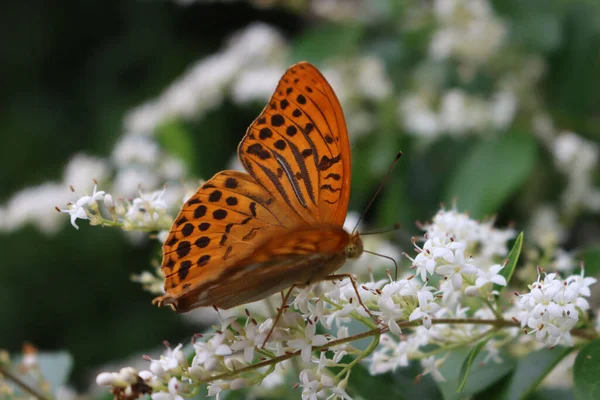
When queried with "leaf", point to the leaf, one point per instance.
{"points": [[466, 366], [591, 260], [532, 369], [363, 384], [513, 257], [324, 41], [491, 172], [392, 385], [481, 377], [173, 136], [586, 372]]}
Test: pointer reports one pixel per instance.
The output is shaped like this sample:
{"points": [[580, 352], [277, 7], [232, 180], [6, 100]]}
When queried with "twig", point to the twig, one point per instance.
{"points": [[21, 384]]}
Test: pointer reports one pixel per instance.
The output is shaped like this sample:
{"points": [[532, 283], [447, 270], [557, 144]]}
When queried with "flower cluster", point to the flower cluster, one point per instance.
{"points": [[404, 317], [551, 309], [221, 359], [147, 212]]}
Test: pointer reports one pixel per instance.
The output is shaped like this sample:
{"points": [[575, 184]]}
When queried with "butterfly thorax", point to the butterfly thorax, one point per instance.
{"points": [[354, 248]]}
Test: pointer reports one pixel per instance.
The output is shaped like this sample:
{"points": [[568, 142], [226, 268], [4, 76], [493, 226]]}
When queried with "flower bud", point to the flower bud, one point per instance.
{"points": [[109, 203], [238, 383], [106, 378]]}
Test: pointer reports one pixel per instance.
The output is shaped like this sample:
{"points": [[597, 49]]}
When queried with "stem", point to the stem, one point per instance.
{"points": [[492, 308], [458, 344], [366, 353], [21, 384]]}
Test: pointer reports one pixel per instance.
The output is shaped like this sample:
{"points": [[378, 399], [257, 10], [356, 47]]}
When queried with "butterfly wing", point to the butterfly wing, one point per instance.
{"points": [[298, 148], [300, 256], [237, 239], [219, 225]]}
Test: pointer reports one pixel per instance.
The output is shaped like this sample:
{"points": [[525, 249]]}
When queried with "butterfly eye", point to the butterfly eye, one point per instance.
{"points": [[355, 248]]}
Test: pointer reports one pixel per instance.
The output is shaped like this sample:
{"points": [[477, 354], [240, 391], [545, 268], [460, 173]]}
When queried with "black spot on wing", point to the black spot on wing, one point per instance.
{"points": [[330, 188], [184, 269], [327, 162]]}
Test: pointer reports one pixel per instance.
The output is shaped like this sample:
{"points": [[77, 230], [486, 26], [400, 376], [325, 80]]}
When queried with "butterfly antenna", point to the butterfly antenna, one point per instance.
{"points": [[385, 179], [396, 226], [384, 256]]}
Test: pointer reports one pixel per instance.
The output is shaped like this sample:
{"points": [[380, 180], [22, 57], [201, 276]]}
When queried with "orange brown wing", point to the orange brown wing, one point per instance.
{"points": [[300, 256], [219, 225], [298, 155], [298, 147]]}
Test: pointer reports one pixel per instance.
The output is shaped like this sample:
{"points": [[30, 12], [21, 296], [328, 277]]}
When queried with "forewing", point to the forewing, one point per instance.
{"points": [[298, 147], [301, 256], [222, 223]]}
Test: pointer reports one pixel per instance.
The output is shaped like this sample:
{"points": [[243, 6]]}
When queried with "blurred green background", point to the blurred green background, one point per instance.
{"points": [[71, 72]]}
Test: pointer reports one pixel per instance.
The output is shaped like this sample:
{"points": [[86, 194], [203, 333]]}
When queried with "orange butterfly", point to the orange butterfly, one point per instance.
{"points": [[245, 236]]}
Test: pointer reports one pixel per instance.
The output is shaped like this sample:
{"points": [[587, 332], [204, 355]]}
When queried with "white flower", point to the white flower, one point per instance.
{"points": [[96, 195], [208, 353], [426, 307], [172, 394], [108, 379], [174, 360], [431, 366], [455, 269], [492, 275], [216, 387], [390, 312], [314, 384], [147, 209], [309, 340], [253, 337], [77, 210]]}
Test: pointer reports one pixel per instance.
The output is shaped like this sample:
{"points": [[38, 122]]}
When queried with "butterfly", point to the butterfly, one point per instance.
{"points": [[244, 236]]}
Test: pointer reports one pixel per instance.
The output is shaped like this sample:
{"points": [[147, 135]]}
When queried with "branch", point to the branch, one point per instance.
{"points": [[21, 384]]}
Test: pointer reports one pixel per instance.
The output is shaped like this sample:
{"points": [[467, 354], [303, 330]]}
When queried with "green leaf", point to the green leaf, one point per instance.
{"points": [[480, 378], [392, 385], [363, 384], [173, 136], [492, 172], [552, 394], [325, 41], [532, 369], [591, 260], [586, 372], [466, 366], [513, 257]]}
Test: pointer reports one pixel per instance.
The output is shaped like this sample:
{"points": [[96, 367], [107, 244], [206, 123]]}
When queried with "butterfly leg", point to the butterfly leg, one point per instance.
{"points": [[284, 300], [353, 281]]}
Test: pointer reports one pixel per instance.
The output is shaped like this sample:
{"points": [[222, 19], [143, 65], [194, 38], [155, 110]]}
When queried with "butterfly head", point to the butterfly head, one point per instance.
{"points": [[354, 248]]}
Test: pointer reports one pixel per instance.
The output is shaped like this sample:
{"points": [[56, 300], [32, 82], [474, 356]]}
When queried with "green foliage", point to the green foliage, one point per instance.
{"points": [[491, 172], [177, 140], [466, 366], [320, 42], [586, 372], [531, 370], [513, 258], [591, 260], [479, 379]]}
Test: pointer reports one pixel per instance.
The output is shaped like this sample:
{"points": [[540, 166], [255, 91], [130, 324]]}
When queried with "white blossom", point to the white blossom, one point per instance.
{"points": [[306, 343], [426, 308], [492, 275]]}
